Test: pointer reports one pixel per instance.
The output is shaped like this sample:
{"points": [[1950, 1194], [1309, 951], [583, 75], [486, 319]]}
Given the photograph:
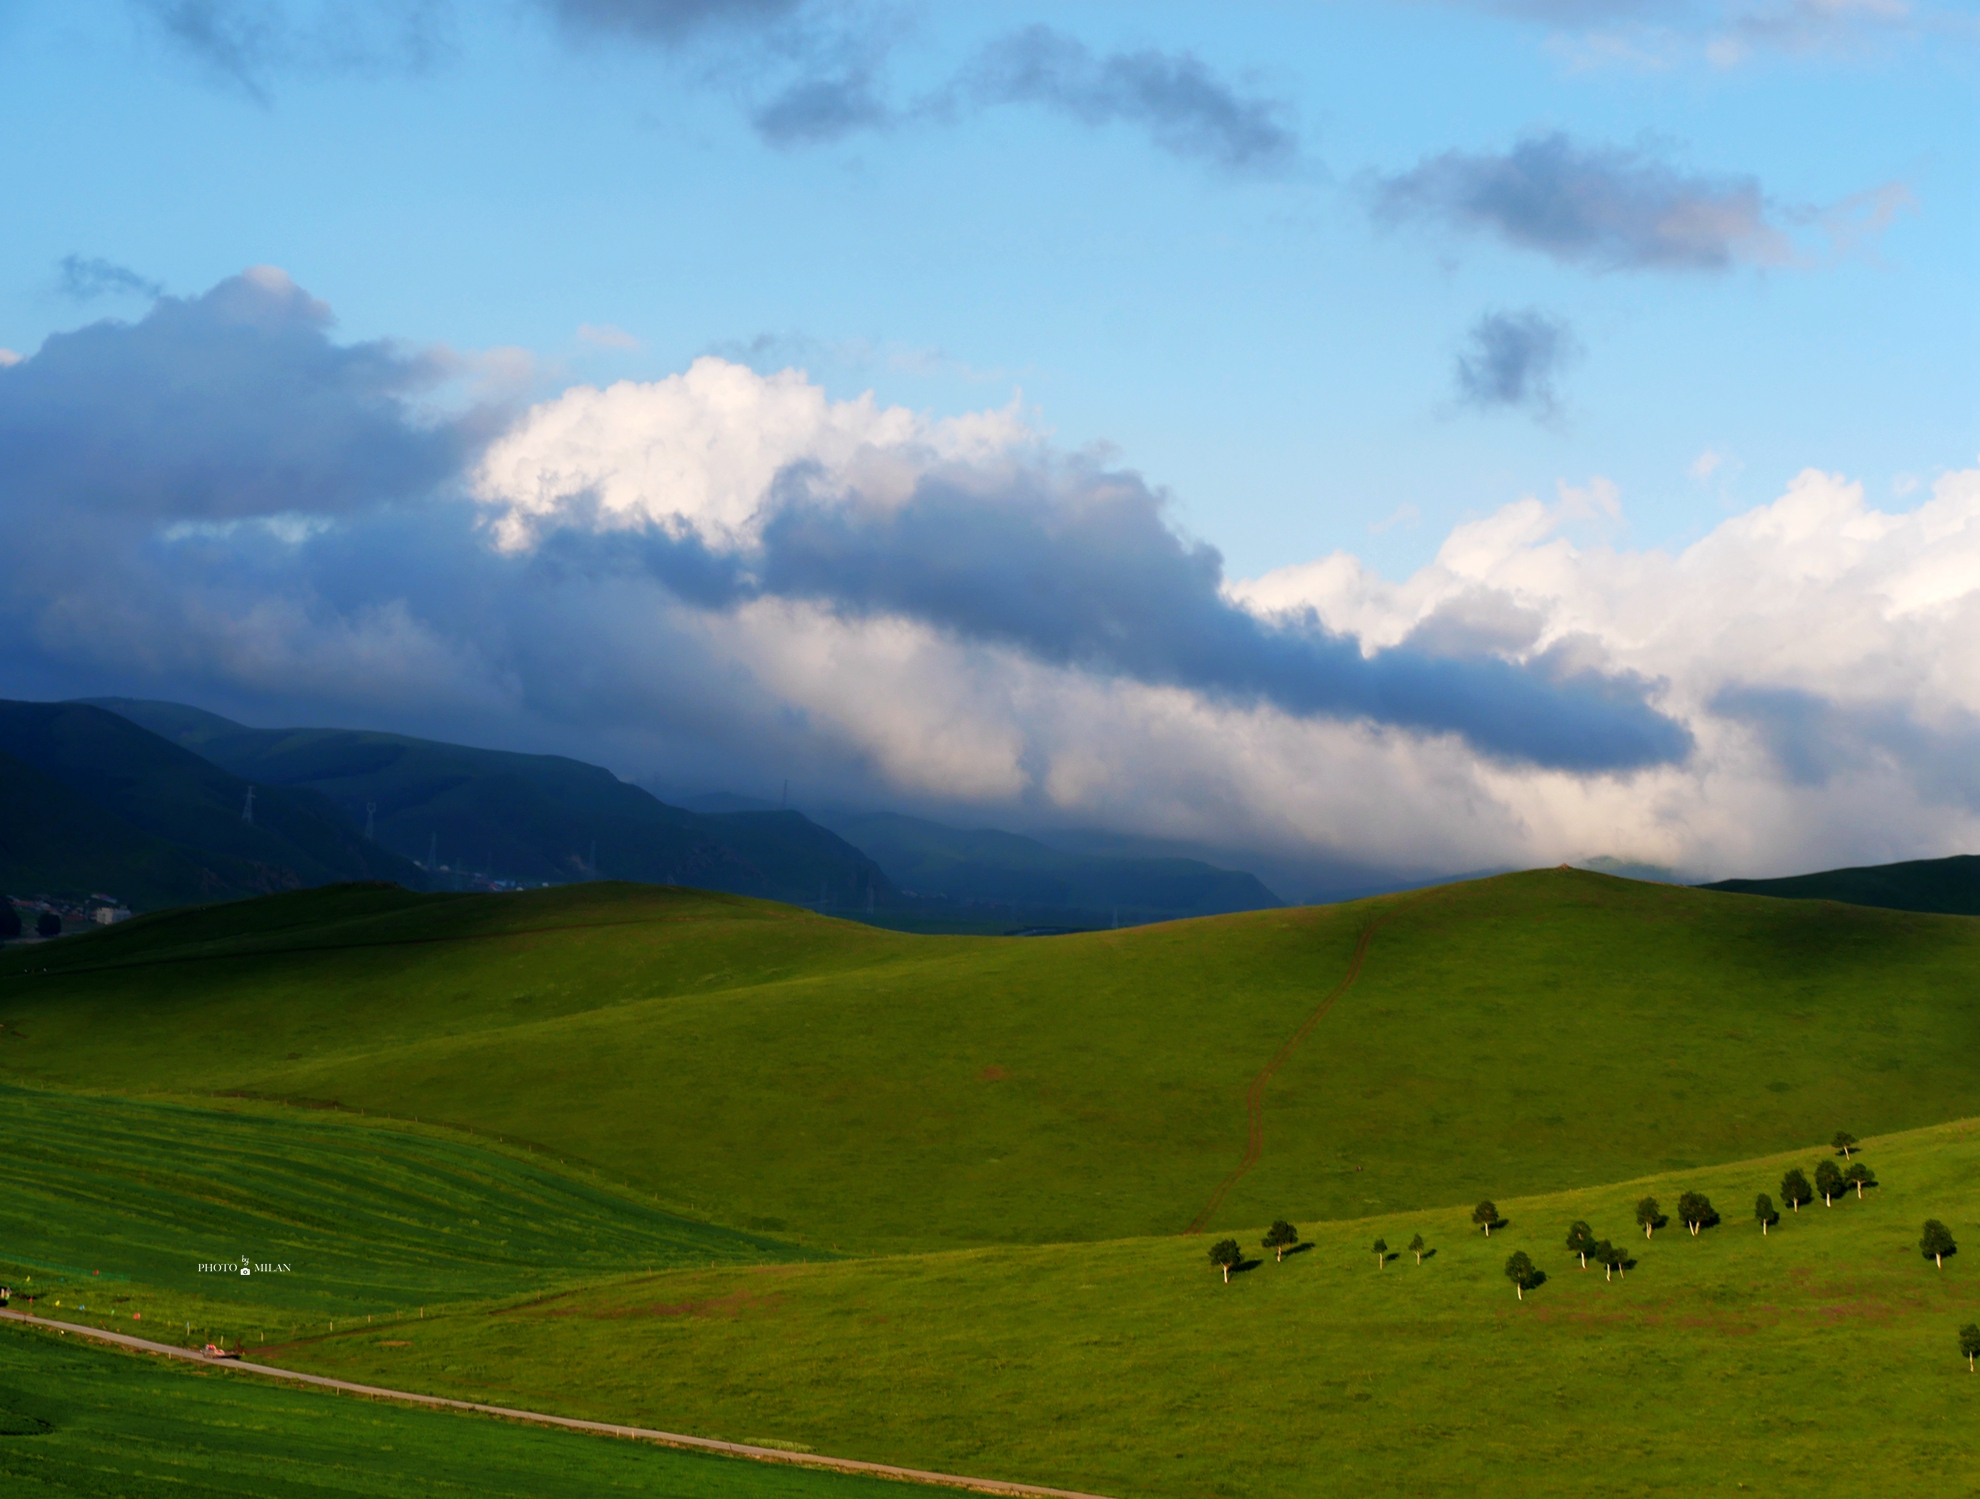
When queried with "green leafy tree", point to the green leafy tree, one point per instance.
{"points": [[1417, 1246], [1969, 1343], [48, 924], [1648, 1216], [1695, 1211], [1844, 1143], [1581, 1241], [1520, 1271], [1937, 1242], [1607, 1256], [1380, 1249], [1859, 1175], [1828, 1182], [1795, 1189], [1486, 1216], [1226, 1256], [1763, 1209], [1281, 1236]]}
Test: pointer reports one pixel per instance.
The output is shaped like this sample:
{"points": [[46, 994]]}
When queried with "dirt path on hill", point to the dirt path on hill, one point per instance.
{"points": [[1254, 1096], [602, 1428]]}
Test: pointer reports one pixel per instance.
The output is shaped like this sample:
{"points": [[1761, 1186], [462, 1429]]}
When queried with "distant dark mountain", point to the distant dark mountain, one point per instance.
{"points": [[1949, 887], [531, 818], [91, 802], [986, 866]]}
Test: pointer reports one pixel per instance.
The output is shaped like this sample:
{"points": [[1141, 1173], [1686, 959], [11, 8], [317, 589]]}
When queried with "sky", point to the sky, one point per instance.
{"points": [[1401, 436]]}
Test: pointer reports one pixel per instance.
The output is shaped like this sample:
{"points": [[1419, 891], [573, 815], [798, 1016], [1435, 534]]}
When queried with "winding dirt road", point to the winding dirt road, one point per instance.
{"points": [[600, 1428]]}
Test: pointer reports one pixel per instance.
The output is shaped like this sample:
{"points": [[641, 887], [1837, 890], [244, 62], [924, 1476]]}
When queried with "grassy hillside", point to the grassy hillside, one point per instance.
{"points": [[78, 1420], [123, 1201], [1821, 1358], [148, 821], [987, 865], [524, 817], [1950, 886], [865, 1089]]}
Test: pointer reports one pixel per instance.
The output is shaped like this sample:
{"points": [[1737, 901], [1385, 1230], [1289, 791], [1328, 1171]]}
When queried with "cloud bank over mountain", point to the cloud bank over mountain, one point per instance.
{"points": [[730, 577]]}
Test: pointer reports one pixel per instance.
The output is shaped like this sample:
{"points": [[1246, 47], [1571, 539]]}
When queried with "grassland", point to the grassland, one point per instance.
{"points": [[79, 1420], [839, 1085], [112, 1205], [1820, 1358]]}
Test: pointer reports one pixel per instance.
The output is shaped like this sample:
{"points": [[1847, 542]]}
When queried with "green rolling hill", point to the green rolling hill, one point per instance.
{"points": [[90, 801], [529, 818], [799, 1076], [1949, 886]]}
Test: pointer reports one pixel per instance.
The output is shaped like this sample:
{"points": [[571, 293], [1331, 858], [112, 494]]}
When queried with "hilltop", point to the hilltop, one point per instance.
{"points": [[1950, 886], [793, 1074]]}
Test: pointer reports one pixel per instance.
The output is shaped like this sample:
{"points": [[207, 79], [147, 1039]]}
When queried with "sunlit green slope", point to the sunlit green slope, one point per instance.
{"points": [[1819, 1359], [856, 1087]]}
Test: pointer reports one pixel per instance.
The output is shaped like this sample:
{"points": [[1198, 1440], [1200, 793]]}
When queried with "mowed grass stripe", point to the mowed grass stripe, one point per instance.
{"points": [[371, 1218]]}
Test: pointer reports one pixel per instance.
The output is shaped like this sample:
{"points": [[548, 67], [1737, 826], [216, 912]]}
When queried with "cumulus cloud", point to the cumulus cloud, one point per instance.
{"points": [[1728, 33], [670, 21], [1512, 360], [1601, 206], [278, 420], [727, 577], [87, 278]]}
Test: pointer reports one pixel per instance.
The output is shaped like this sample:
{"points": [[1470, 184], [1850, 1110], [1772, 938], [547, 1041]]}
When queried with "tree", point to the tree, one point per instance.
{"points": [[1608, 1257], [1844, 1142], [1860, 1176], [1795, 1190], [1281, 1236], [1520, 1271], [1969, 1343], [1581, 1240], [1486, 1216], [1937, 1242], [1763, 1209], [10, 919], [1226, 1256], [1417, 1246], [48, 924], [1696, 1211], [1829, 1182], [1648, 1215], [1380, 1249]]}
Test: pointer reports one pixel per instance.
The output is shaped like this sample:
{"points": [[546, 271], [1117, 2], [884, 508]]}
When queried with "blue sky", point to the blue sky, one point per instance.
{"points": [[1327, 278], [1252, 337]]}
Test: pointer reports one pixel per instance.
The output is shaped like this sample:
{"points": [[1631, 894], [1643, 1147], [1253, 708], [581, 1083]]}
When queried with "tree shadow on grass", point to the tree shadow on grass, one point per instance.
{"points": [[1293, 1249], [1243, 1267]]}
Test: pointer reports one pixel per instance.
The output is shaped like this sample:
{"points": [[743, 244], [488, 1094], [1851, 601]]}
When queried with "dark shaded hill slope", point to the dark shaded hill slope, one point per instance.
{"points": [[793, 1074], [987, 865], [93, 802], [532, 818], [1949, 886]]}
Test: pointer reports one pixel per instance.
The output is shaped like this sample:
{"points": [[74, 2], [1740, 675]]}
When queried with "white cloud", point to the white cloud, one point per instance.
{"points": [[698, 451], [606, 336], [7, 357]]}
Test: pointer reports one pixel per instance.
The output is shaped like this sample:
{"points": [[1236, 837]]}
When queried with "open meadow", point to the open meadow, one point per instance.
{"points": [[726, 1168]]}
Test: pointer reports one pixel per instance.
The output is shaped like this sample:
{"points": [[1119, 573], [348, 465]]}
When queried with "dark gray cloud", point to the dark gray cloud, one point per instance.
{"points": [[86, 278], [1513, 360], [218, 407], [671, 22], [815, 110], [1080, 568], [1186, 108], [1814, 740], [1601, 206], [246, 43]]}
